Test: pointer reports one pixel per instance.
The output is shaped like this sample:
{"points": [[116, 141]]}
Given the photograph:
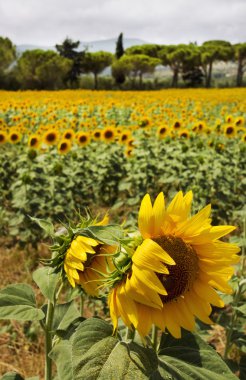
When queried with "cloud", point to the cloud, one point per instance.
{"points": [[48, 22]]}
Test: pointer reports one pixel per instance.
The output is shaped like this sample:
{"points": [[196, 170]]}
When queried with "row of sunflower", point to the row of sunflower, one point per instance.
{"points": [[30, 117]]}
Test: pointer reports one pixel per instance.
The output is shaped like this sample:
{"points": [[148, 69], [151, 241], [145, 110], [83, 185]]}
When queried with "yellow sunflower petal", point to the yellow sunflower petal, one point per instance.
{"points": [[114, 313], [205, 291], [198, 307], [213, 234], [150, 249], [159, 214], [140, 292], [144, 321], [170, 322], [195, 224], [146, 218], [104, 221], [149, 278], [129, 309]]}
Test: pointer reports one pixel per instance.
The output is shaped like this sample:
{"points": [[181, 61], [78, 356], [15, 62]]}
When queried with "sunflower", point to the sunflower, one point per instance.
{"points": [[14, 137], [83, 138], [175, 270], [50, 137], [239, 121], [86, 260], [34, 141], [64, 146], [230, 131], [162, 132], [3, 137], [124, 136], [184, 134], [68, 134], [176, 125], [129, 152], [96, 134], [244, 138], [108, 134]]}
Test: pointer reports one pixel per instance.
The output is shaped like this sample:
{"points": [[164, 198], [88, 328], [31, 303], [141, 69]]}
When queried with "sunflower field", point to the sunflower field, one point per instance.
{"points": [[79, 168]]}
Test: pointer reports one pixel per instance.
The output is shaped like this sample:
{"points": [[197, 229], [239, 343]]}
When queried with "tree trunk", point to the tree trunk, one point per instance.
{"points": [[209, 76], [175, 78], [95, 81], [240, 73], [140, 80]]}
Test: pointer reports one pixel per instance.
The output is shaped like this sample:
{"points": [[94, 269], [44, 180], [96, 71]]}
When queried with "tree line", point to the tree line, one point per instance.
{"points": [[63, 68]]}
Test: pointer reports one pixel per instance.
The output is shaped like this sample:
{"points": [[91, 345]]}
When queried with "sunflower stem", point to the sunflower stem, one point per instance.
{"points": [[130, 333], [48, 340], [155, 337], [81, 305]]}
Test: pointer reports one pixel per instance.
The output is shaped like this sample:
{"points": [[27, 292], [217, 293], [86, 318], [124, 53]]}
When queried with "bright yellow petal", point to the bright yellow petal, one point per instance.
{"points": [[159, 214], [144, 321], [149, 278], [146, 218], [170, 322], [104, 221], [114, 314], [195, 224], [150, 249], [141, 293], [198, 307], [213, 234], [148, 261], [206, 292]]}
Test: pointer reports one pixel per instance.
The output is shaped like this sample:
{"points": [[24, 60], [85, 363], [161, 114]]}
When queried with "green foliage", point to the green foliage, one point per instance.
{"points": [[91, 352], [7, 53], [151, 50], [42, 69], [96, 62], [47, 281], [36, 187], [191, 358], [18, 302], [68, 49]]}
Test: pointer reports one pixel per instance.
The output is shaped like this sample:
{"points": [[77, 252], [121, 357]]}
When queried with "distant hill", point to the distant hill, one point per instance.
{"points": [[92, 46]]}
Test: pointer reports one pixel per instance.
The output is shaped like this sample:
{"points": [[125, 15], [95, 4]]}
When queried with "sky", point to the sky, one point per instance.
{"points": [[47, 22]]}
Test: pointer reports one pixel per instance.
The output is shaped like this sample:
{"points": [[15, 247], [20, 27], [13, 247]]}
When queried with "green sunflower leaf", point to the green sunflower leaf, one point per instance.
{"points": [[12, 376], [47, 281], [190, 358], [45, 225], [18, 302], [92, 352]]}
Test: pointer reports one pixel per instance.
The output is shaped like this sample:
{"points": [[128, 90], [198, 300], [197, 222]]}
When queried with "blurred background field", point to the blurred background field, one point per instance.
{"points": [[64, 151]]}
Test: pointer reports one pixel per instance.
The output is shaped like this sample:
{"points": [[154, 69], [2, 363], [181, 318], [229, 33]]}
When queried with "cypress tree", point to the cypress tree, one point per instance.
{"points": [[119, 47]]}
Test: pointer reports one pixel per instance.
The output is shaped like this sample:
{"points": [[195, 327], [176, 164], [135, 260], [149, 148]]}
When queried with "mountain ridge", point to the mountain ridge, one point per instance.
{"points": [[91, 46]]}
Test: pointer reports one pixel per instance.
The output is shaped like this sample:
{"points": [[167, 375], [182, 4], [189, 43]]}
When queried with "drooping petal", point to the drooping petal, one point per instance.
{"points": [[149, 278], [150, 249]]}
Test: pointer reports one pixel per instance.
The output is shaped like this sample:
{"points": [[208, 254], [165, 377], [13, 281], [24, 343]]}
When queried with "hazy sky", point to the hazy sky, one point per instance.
{"points": [[47, 22]]}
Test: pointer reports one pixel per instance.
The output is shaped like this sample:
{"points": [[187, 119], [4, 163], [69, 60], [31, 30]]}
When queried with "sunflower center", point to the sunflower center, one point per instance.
{"points": [[229, 130], [51, 137], [14, 137], [108, 134], [33, 141], [182, 275]]}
